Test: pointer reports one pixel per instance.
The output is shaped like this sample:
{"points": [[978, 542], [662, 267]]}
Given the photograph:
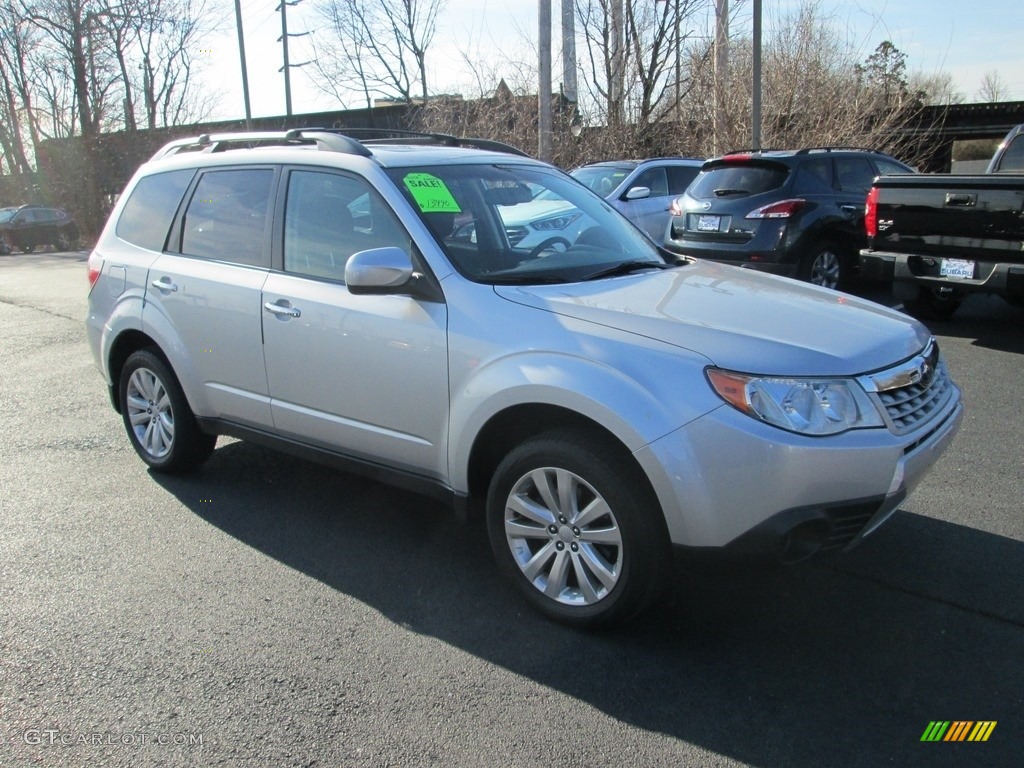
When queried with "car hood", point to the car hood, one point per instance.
{"points": [[739, 319], [524, 213]]}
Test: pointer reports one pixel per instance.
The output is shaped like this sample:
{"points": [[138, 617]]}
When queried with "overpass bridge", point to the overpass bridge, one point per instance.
{"points": [[937, 127]]}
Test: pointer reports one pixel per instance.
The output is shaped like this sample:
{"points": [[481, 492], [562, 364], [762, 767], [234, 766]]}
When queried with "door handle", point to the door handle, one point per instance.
{"points": [[851, 208], [961, 199], [282, 311], [165, 284]]}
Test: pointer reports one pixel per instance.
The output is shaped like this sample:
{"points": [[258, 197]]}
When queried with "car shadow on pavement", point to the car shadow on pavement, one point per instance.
{"points": [[838, 662], [987, 321]]}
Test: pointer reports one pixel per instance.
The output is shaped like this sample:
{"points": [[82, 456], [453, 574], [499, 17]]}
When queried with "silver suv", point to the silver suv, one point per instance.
{"points": [[600, 403]]}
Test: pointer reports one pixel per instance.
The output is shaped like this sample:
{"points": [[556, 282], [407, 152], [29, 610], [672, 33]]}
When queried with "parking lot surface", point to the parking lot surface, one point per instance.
{"points": [[265, 611]]}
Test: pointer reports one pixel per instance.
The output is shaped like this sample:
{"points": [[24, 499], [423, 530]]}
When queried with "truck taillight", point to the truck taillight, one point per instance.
{"points": [[95, 266], [871, 213]]}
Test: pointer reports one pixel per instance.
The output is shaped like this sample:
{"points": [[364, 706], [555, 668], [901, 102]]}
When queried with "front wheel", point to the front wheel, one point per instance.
{"points": [[824, 265], [64, 242], [578, 529], [157, 417]]}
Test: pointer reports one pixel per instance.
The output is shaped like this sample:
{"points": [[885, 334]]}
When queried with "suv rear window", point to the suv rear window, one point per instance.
{"points": [[733, 179], [147, 215]]}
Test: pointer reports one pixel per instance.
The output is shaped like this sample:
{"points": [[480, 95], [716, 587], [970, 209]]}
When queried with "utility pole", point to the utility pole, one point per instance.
{"points": [[755, 107], [283, 7], [245, 72], [544, 150], [721, 71]]}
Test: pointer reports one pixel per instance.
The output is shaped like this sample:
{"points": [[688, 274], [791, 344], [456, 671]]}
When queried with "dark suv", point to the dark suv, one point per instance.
{"points": [[798, 213], [27, 226]]}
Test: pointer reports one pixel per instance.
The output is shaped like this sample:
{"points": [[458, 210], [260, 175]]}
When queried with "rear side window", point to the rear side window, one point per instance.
{"points": [[1013, 157], [147, 215], [227, 216], [815, 176], [888, 167], [738, 180], [680, 177]]}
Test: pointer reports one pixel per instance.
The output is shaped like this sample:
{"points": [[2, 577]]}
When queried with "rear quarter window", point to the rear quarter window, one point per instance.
{"points": [[147, 216], [1013, 158], [739, 179]]}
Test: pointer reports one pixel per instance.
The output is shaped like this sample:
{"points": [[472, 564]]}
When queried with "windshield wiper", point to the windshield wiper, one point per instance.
{"points": [[727, 191], [625, 268], [521, 279]]}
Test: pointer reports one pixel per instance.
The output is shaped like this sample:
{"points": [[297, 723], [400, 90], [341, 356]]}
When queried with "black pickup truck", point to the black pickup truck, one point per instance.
{"points": [[938, 237]]}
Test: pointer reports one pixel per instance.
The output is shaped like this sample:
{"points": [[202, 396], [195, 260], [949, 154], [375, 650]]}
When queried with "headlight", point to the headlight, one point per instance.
{"points": [[806, 406], [555, 222]]}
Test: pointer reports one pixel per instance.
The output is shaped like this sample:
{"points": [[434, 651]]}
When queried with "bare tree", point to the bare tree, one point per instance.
{"points": [[376, 47], [992, 87]]}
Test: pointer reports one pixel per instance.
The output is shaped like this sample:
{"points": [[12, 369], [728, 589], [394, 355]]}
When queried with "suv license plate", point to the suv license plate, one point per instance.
{"points": [[962, 269], [709, 223]]}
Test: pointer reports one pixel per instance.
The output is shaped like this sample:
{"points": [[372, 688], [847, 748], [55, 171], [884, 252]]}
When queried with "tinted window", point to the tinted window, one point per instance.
{"points": [[889, 167], [680, 177], [814, 176], [738, 180], [602, 179], [1013, 157], [654, 179], [329, 217], [855, 174], [149, 211], [227, 216]]}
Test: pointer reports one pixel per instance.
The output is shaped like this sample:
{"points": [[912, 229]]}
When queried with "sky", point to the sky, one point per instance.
{"points": [[965, 39]]}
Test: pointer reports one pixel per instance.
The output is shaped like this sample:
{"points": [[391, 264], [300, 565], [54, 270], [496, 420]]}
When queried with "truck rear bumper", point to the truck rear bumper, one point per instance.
{"points": [[1001, 278]]}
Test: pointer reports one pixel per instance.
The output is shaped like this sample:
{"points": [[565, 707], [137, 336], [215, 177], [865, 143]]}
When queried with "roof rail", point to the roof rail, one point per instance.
{"points": [[401, 136], [220, 142], [808, 150]]}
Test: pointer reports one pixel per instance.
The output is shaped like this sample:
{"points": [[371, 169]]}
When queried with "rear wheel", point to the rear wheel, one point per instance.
{"points": [[64, 242], [27, 248], [157, 417], [577, 528], [824, 265], [933, 304]]}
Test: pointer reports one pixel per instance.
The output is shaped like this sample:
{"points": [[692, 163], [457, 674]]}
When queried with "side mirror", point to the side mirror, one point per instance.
{"points": [[378, 270], [638, 193]]}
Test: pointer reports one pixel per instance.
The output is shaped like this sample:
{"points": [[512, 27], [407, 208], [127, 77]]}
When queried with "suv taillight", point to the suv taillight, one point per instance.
{"points": [[95, 265], [780, 210], [871, 213]]}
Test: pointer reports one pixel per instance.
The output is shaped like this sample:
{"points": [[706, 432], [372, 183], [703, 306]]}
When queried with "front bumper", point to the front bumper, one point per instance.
{"points": [[727, 481]]}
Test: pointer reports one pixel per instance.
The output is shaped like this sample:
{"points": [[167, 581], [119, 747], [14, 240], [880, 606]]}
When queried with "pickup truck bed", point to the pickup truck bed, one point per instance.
{"points": [[938, 237]]}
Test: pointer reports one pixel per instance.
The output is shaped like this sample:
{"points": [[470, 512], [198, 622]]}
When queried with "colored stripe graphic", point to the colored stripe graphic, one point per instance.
{"points": [[958, 730]]}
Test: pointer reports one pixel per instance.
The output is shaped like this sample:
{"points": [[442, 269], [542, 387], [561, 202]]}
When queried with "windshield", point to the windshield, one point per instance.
{"points": [[523, 224], [6, 214], [602, 179]]}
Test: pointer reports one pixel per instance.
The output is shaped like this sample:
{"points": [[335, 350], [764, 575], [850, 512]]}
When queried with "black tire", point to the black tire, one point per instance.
{"points": [[26, 248], [625, 537], [825, 264], [6, 246], [165, 433], [1015, 301], [64, 242], [929, 305]]}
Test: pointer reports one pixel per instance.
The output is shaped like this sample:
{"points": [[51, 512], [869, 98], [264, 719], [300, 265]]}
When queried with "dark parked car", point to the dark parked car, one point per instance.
{"points": [[798, 213], [25, 227]]}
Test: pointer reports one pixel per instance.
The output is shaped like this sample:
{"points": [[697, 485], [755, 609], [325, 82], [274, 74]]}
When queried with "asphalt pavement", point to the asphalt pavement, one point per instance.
{"points": [[265, 611]]}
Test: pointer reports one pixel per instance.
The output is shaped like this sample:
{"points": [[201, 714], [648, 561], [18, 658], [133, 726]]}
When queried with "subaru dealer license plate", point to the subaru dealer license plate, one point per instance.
{"points": [[708, 223], [962, 269]]}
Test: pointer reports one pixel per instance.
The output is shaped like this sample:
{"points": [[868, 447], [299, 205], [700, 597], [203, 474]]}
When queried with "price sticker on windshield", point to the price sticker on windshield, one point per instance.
{"points": [[430, 193]]}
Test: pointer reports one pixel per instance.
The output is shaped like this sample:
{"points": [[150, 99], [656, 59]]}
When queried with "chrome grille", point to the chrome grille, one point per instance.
{"points": [[914, 393]]}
